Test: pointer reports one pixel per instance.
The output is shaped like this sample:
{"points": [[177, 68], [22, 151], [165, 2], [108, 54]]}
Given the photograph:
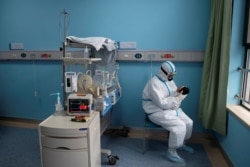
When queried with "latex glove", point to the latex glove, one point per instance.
{"points": [[184, 90], [175, 107]]}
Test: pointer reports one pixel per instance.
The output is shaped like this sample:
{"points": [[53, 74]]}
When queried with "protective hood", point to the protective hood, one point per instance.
{"points": [[161, 75], [166, 68]]}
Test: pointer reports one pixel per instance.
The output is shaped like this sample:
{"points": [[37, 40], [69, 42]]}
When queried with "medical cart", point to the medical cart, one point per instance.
{"points": [[65, 143]]}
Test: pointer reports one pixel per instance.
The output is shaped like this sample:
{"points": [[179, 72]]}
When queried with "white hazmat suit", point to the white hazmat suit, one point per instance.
{"points": [[161, 101]]}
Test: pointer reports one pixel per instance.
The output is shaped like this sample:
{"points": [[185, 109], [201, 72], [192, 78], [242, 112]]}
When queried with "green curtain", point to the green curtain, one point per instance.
{"points": [[213, 94]]}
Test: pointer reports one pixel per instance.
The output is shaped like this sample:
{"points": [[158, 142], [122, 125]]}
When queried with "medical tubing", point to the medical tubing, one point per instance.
{"points": [[34, 77]]}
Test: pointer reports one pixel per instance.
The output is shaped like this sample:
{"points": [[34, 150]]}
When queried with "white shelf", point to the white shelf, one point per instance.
{"points": [[74, 60]]}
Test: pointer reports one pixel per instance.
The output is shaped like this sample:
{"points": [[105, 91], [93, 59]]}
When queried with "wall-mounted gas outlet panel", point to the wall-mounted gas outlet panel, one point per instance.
{"points": [[122, 55], [137, 55], [30, 55]]}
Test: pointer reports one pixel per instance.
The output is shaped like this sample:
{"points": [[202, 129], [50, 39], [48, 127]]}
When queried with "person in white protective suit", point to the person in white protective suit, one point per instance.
{"points": [[161, 100]]}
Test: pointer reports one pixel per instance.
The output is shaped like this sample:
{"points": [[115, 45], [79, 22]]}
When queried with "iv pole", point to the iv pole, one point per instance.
{"points": [[65, 28]]}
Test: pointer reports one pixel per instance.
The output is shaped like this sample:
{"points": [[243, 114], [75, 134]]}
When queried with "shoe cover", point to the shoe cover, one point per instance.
{"points": [[174, 157], [186, 148]]}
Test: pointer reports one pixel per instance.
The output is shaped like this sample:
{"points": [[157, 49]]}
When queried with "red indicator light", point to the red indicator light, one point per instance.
{"points": [[83, 107]]}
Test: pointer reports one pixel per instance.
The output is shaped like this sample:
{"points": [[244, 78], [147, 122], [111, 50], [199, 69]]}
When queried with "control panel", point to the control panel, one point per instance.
{"points": [[136, 55]]}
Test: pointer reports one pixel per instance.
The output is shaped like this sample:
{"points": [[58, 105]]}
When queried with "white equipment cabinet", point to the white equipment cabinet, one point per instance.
{"points": [[64, 143]]}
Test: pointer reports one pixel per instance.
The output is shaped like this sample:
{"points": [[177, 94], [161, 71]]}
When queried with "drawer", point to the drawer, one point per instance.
{"points": [[64, 158], [64, 143]]}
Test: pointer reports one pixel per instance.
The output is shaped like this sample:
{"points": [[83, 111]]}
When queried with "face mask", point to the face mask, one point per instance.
{"points": [[170, 75], [170, 78]]}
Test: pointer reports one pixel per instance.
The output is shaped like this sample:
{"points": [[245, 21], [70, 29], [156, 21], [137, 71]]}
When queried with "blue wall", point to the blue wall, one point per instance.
{"points": [[161, 24], [154, 25], [20, 80]]}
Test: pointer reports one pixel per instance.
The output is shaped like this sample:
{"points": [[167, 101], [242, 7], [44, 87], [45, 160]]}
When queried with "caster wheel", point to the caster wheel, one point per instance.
{"points": [[112, 159]]}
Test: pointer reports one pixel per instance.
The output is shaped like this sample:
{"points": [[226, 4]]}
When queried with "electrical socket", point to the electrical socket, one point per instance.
{"points": [[151, 56], [16, 46], [68, 54]]}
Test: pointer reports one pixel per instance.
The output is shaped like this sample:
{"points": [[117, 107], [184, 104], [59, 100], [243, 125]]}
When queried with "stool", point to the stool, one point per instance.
{"points": [[148, 125]]}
